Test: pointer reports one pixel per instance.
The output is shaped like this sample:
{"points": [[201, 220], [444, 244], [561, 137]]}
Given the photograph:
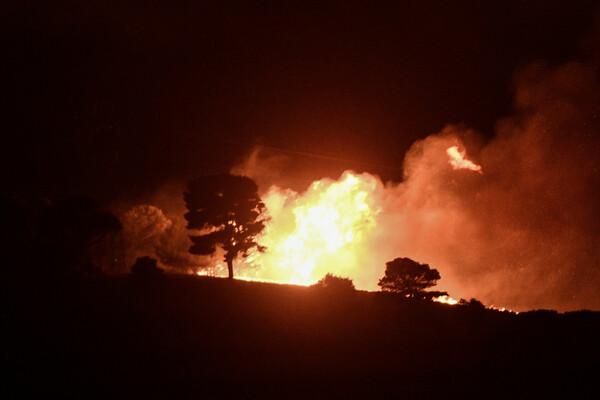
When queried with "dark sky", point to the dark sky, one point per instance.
{"points": [[191, 87]]}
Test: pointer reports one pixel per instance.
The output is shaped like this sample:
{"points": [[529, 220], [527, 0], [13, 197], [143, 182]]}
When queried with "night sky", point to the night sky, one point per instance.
{"points": [[115, 99]]}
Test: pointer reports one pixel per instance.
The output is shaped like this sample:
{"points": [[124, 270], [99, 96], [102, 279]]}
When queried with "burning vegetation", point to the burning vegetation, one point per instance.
{"points": [[510, 224]]}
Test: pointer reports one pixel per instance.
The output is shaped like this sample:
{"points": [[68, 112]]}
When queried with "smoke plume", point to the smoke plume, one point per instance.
{"points": [[156, 227], [515, 226]]}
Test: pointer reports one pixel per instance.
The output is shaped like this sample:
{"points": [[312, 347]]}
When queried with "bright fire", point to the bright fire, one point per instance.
{"points": [[333, 227], [458, 161], [326, 227], [446, 300]]}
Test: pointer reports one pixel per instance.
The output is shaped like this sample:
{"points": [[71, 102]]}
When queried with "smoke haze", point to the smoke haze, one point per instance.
{"points": [[156, 227]]}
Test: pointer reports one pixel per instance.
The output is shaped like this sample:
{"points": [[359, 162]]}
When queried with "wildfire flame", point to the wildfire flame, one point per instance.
{"points": [[458, 161], [312, 233], [330, 228], [446, 300], [333, 227]]}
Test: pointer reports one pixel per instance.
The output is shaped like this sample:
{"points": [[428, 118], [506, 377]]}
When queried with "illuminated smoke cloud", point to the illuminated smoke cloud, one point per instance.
{"points": [[143, 227], [159, 230], [522, 235]]}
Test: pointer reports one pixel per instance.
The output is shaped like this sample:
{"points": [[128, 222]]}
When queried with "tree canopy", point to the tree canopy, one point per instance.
{"points": [[230, 210], [410, 279]]}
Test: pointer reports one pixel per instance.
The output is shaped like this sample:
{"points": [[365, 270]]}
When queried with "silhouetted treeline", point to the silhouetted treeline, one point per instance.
{"points": [[53, 239], [190, 337]]}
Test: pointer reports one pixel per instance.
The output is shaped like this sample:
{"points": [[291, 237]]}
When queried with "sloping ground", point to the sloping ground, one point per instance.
{"points": [[184, 336]]}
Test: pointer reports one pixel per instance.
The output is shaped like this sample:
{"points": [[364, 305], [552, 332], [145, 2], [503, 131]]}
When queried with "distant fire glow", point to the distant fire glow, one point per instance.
{"points": [[458, 161]]}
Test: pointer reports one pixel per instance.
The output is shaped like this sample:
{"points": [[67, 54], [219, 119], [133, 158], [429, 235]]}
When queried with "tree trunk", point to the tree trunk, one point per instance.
{"points": [[230, 268]]}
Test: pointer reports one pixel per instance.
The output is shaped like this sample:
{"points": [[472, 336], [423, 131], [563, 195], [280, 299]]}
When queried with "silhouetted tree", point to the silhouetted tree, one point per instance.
{"points": [[473, 304], [410, 279], [71, 227], [335, 283], [230, 208]]}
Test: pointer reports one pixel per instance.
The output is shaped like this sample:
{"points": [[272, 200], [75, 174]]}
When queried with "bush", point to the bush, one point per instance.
{"points": [[146, 266], [335, 283], [472, 304], [410, 279]]}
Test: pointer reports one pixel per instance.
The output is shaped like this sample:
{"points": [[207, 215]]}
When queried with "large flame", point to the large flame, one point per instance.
{"points": [[458, 161], [323, 230], [334, 227]]}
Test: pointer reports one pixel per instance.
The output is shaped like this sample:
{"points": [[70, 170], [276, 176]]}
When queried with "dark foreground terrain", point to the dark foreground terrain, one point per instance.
{"points": [[189, 337]]}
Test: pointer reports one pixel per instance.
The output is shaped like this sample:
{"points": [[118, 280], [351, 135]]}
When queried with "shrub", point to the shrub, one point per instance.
{"points": [[335, 283], [146, 266]]}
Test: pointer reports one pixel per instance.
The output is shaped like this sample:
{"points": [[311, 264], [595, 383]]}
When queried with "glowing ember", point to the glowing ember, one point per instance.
{"points": [[320, 231], [458, 161]]}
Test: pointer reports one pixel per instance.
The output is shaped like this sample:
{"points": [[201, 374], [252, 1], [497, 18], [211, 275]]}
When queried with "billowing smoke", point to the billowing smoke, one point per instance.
{"points": [[514, 223], [156, 227]]}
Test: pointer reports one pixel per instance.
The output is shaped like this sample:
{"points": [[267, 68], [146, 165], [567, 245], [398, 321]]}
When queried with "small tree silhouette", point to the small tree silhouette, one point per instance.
{"points": [[146, 266], [335, 283], [70, 228], [410, 279]]}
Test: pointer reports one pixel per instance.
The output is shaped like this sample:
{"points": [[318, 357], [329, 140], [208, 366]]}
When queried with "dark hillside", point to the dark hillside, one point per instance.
{"points": [[184, 336]]}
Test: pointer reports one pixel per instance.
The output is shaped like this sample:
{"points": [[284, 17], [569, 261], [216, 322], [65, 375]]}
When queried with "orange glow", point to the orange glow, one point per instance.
{"points": [[458, 161]]}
